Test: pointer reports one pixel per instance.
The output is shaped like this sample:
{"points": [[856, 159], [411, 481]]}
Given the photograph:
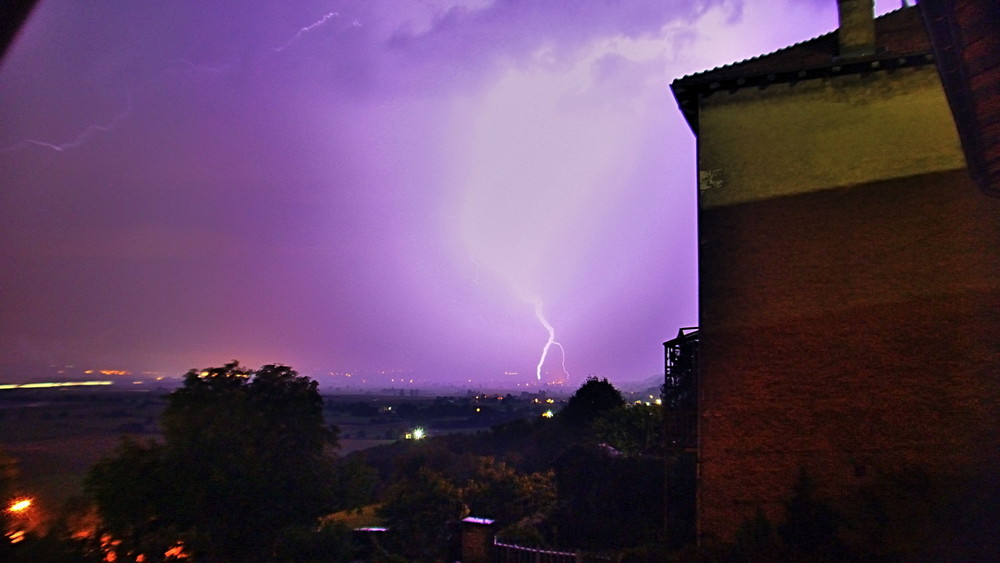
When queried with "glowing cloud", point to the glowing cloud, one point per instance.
{"points": [[542, 156], [454, 189]]}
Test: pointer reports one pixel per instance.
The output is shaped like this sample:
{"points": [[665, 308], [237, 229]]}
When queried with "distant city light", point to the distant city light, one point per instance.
{"points": [[176, 552], [205, 373], [52, 384], [20, 505], [416, 434], [548, 414]]}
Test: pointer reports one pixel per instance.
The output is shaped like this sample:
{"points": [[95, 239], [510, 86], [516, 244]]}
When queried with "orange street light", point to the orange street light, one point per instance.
{"points": [[19, 505]]}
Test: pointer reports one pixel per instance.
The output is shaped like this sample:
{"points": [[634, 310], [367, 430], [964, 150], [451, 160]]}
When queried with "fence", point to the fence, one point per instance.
{"points": [[510, 553]]}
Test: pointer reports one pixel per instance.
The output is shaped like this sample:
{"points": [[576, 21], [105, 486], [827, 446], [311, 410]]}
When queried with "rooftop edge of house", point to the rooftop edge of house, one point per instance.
{"points": [[901, 40]]}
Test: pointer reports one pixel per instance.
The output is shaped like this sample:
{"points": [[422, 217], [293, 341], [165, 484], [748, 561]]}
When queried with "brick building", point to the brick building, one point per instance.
{"points": [[849, 274]]}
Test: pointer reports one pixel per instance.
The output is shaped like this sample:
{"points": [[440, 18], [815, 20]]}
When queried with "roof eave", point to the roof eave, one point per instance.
{"points": [[689, 90]]}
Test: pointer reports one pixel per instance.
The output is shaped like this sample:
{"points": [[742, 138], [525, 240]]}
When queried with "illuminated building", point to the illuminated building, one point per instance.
{"points": [[849, 273]]}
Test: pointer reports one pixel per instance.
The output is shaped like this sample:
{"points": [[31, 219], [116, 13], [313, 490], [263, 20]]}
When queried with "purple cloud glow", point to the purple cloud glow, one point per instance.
{"points": [[359, 185]]}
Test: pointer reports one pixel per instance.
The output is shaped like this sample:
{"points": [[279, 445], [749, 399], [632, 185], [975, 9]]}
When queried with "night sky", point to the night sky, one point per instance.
{"points": [[417, 186]]}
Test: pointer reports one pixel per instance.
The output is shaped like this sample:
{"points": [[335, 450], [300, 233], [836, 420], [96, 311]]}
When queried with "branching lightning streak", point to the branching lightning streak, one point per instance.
{"points": [[87, 133], [475, 277], [121, 116], [307, 29], [548, 343], [115, 120], [203, 67]]}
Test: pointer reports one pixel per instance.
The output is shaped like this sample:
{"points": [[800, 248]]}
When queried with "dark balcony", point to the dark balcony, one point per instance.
{"points": [[680, 391]]}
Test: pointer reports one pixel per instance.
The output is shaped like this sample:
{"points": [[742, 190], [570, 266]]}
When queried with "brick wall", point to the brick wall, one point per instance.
{"points": [[852, 332]]}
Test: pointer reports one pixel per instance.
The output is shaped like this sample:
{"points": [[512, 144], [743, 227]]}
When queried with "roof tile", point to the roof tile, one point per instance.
{"points": [[897, 33]]}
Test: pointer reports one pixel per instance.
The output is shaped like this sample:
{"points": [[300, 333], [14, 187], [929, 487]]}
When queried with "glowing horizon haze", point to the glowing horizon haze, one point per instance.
{"points": [[454, 190]]}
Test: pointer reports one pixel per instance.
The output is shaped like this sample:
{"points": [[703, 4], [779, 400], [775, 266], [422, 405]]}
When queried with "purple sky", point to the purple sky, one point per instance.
{"points": [[359, 185]]}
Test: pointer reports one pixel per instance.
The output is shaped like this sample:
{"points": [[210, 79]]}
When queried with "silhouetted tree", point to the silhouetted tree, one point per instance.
{"points": [[593, 398], [355, 482], [420, 509], [606, 500], [131, 488], [306, 544], [246, 454], [498, 492], [632, 429]]}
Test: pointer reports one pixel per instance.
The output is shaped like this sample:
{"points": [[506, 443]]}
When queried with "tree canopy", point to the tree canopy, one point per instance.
{"points": [[246, 454], [632, 429], [593, 398], [417, 508], [499, 492]]}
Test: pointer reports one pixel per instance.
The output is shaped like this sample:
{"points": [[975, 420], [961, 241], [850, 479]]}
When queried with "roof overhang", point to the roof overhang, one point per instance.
{"points": [[690, 89]]}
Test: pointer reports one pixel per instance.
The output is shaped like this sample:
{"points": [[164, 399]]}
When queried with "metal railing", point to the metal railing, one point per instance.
{"points": [[680, 391], [510, 553]]}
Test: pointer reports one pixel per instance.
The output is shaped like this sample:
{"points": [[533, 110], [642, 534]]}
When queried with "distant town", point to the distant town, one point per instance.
{"points": [[381, 382]]}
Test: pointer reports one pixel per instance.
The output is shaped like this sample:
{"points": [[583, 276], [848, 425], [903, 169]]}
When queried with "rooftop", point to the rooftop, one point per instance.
{"points": [[900, 38]]}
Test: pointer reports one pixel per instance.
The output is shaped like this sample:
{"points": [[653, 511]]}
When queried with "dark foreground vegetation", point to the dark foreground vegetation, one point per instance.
{"points": [[245, 466]]}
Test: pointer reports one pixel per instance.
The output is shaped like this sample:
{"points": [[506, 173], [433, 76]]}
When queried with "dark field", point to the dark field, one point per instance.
{"points": [[56, 435]]}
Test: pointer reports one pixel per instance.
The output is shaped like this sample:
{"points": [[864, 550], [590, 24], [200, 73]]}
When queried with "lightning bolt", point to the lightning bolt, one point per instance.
{"points": [[548, 343], [80, 139], [116, 119], [475, 277], [121, 116], [309, 28]]}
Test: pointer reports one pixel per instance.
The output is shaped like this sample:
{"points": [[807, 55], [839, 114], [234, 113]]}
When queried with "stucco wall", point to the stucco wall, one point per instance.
{"points": [[852, 332], [758, 143]]}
